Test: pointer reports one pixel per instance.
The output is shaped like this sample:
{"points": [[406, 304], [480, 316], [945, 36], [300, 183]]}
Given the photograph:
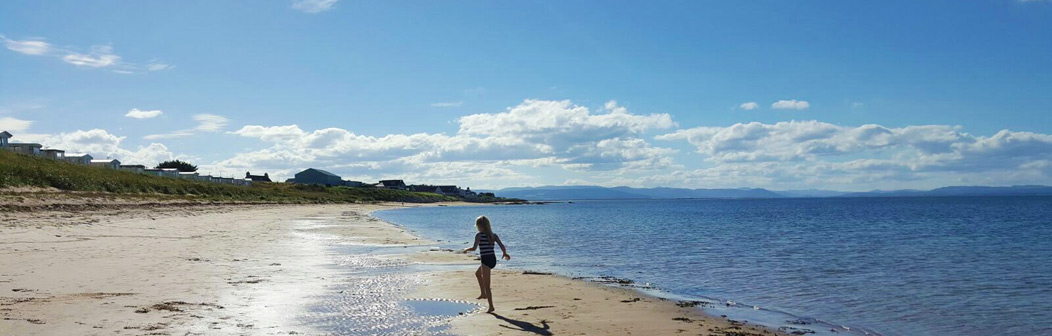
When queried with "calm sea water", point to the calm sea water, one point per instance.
{"points": [[897, 266]]}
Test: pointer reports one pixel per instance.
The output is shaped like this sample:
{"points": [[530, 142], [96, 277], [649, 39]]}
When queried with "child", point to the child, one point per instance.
{"points": [[485, 238]]}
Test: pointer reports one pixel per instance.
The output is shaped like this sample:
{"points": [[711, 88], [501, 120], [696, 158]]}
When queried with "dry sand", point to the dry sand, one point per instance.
{"points": [[244, 270]]}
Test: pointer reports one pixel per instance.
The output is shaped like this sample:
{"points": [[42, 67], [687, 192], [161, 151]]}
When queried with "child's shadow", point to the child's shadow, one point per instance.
{"points": [[525, 326]]}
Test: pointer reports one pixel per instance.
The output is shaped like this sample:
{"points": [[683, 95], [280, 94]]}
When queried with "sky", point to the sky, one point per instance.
{"points": [[844, 95]]}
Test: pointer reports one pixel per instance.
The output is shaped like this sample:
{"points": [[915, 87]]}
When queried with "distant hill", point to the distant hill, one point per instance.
{"points": [[1022, 190], [810, 193], [548, 193]]}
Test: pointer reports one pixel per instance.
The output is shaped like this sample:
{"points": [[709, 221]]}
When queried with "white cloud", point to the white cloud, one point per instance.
{"points": [[28, 47], [100, 56], [205, 123], [140, 114], [313, 6], [791, 105], [172, 135], [158, 65], [749, 106], [809, 153], [210, 122], [561, 123], [14, 125], [535, 133], [447, 104]]}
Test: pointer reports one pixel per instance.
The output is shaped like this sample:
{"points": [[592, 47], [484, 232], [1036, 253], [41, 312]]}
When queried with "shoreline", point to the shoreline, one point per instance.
{"points": [[622, 309], [203, 269]]}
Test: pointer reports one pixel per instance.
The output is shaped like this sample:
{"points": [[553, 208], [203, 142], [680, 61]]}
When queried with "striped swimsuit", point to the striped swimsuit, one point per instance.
{"points": [[486, 251]]}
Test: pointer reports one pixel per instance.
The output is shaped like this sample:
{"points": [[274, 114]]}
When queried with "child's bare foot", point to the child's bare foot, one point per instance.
{"points": [[490, 310], [483, 296]]}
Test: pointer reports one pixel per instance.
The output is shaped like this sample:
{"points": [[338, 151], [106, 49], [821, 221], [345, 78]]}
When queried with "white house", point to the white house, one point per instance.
{"points": [[24, 148], [107, 163], [139, 169], [169, 172], [81, 159], [54, 154]]}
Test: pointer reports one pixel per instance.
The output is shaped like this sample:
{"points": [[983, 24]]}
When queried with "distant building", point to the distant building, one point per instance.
{"points": [[423, 188], [24, 148], [348, 183], [107, 163], [81, 159], [188, 175], [169, 172], [318, 176], [54, 154], [139, 169], [392, 184], [449, 190], [258, 178]]}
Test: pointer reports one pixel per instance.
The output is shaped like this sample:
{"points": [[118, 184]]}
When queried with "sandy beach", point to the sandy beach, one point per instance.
{"points": [[286, 269]]}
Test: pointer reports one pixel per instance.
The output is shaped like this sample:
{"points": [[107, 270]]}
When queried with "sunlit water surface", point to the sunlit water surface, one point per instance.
{"points": [[893, 266]]}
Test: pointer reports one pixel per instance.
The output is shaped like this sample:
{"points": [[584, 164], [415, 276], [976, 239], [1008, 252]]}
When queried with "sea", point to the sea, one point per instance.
{"points": [[878, 266]]}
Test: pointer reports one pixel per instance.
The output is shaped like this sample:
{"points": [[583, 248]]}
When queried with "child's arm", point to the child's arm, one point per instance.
{"points": [[477, 238], [502, 248]]}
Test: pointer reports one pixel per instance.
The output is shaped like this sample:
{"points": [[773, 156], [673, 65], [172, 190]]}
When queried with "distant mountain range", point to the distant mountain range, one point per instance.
{"points": [[549, 193]]}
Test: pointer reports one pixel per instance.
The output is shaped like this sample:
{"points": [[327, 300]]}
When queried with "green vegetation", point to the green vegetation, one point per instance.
{"points": [[182, 166], [17, 170]]}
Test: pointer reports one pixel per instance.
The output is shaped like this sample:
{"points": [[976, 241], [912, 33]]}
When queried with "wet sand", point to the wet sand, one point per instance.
{"points": [[283, 269]]}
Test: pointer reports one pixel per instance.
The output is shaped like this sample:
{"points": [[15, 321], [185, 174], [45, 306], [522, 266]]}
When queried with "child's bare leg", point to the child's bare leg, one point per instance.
{"points": [[489, 291], [482, 286]]}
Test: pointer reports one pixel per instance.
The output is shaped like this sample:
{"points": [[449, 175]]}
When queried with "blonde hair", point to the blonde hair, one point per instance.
{"points": [[482, 224]]}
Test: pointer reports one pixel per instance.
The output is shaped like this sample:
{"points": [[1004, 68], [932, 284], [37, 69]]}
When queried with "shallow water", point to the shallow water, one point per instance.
{"points": [[894, 266], [368, 294]]}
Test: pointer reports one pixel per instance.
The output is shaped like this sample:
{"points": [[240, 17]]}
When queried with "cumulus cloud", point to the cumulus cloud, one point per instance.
{"points": [[14, 125], [28, 47], [749, 106], [141, 114], [313, 6], [860, 154], [561, 123], [791, 105], [535, 133]]}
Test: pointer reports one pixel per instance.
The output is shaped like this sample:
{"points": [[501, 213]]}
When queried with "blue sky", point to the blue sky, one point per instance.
{"points": [[778, 94]]}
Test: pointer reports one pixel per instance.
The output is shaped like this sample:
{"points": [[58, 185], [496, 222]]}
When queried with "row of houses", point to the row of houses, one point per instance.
{"points": [[321, 177], [36, 149]]}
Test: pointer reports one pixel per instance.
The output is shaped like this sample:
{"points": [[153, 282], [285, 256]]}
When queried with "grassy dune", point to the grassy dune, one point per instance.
{"points": [[18, 170]]}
